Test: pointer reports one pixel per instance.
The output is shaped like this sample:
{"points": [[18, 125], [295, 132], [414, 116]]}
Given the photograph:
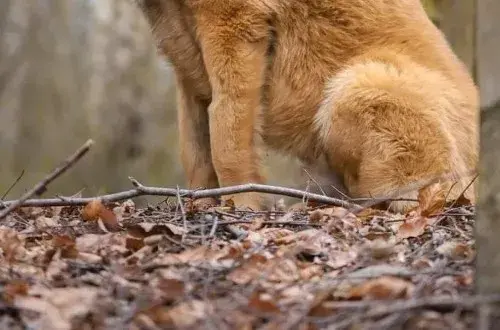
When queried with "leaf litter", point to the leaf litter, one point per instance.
{"points": [[117, 266]]}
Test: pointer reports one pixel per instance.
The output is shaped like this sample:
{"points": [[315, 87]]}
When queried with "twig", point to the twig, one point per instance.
{"points": [[12, 185], [141, 190], [378, 309], [183, 213], [42, 185]]}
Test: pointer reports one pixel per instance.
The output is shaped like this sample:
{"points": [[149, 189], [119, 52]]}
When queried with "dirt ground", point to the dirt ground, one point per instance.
{"points": [[170, 266]]}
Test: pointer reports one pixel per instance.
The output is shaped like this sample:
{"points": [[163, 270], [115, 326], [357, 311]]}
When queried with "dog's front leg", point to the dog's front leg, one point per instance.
{"points": [[234, 38]]}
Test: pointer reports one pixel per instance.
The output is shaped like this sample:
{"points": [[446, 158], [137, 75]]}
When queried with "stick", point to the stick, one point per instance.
{"points": [[42, 185], [141, 190], [378, 309]]}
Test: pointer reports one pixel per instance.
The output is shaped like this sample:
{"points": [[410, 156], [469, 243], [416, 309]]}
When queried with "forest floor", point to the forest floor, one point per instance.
{"points": [[172, 267]]}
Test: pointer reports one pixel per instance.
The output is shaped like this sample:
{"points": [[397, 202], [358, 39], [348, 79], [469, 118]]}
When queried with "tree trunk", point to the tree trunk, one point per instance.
{"points": [[488, 208], [73, 70], [456, 18]]}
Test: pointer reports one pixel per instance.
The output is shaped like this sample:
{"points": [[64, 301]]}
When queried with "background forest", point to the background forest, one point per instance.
{"points": [[100, 78]]}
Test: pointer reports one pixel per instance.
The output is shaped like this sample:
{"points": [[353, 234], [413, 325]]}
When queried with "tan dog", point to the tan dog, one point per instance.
{"points": [[370, 86]]}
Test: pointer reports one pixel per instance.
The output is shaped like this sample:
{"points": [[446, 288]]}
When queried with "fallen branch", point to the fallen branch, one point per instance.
{"points": [[381, 308], [40, 187], [141, 190]]}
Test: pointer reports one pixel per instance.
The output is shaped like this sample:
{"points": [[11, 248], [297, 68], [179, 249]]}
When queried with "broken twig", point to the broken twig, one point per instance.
{"points": [[141, 190], [42, 185]]}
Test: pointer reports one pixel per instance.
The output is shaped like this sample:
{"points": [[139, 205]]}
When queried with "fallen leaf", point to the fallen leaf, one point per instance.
{"points": [[59, 306], [188, 313], [413, 227], [14, 288], [96, 210], [455, 250], [134, 244], [262, 303], [311, 271], [171, 288], [249, 270], [110, 220], [379, 248], [91, 211], [431, 199], [11, 244], [43, 221], [462, 201], [67, 245], [275, 234], [384, 287]]}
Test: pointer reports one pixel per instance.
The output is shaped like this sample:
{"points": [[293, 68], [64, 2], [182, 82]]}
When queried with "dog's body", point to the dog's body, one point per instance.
{"points": [[369, 86]]}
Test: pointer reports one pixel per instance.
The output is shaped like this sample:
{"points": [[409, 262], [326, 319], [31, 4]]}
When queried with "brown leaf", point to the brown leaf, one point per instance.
{"points": [[249, 270], [462, 201], [91, 211], [95, 210], [431, 199], [145, 229], [384, 287], [59, 308], [311, 271], [455, 250], [134, 244], [67, 245], [316, 216], [275, 234], [262, 303], [172, 289], [184, 315], [11, 244], [15, 288], [109, 219], [412, 227]]}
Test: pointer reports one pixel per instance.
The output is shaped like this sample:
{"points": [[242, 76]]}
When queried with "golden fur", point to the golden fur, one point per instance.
{"points": [[369, 86]]}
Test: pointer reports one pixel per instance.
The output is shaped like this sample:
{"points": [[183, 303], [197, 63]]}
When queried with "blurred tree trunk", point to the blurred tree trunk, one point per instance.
{"points": [[73, 70], [488, 50], [488, 215], [456, 18]]}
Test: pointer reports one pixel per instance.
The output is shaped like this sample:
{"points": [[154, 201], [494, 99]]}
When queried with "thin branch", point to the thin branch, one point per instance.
{"points": [[42, 185], [12, 185], [141, 190], [379, 309]]}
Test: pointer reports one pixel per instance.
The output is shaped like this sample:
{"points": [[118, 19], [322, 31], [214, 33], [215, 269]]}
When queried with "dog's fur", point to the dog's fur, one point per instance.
{"points": [[369, 86]]}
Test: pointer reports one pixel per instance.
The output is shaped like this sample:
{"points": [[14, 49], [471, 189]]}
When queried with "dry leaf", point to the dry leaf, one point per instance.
{"points": [[455, 250], [311, 271], [249, 270], [109, 219], [11, 244], [462, 201], [43, 221], [379, 248], [384, 287], [91, 211], [96, 210], [431, 199], [171, 288], [413, 227], [67, 245], [262, 303], [275, 234], [187, 314], [59, 306], [14, 288]]}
